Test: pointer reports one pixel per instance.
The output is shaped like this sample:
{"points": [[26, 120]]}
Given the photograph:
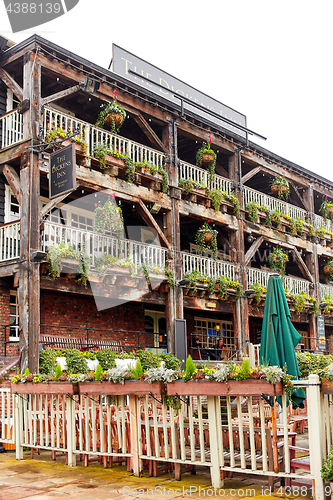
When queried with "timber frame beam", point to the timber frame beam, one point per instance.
{"points": [[13, 180], [12, 84]]}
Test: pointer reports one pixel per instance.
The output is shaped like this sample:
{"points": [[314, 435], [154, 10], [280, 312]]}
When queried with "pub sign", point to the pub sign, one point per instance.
{"points": [[62, 178], [321, 332]]}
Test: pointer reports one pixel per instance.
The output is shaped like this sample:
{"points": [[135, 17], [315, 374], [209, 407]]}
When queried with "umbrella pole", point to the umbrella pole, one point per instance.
{"points": [[274, 437]]}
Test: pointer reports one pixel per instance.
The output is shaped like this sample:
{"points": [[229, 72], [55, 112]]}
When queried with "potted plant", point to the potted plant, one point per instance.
{"points": [[280, 186], [112, 115], [326, 209], [206, 157], [206, 238], [277, 260], [327, 470], [328, 268], [109, 218]]}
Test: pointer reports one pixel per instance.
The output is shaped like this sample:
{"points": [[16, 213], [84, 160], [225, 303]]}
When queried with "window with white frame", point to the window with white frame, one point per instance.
{"points": [[13, 317], [12, 207]]}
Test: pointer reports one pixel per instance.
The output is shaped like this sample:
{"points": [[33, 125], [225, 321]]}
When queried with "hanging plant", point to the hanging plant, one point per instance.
{"points": [[252, 212], [109, 218], [206, 238], [258, 292], [112, 115], [280, 186], [326, 209], [216, 196], [234, 200], [300, 302], [328, 269], [206, 157], [277, 260], [276, 217]]}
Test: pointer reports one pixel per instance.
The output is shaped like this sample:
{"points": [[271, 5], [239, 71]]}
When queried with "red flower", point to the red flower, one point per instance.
{"points": [[208, 221], [95, 205], [115, 94], [210, 138]]}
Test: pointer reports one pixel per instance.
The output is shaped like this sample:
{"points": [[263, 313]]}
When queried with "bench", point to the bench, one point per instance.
{"points": [[79, 343]]}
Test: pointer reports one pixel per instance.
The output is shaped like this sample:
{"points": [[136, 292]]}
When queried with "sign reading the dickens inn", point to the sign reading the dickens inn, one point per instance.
{"points": [[62, 178]]}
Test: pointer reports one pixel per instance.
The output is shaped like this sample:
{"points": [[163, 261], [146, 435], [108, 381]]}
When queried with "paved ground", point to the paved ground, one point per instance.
{"points": [[43, 479]]}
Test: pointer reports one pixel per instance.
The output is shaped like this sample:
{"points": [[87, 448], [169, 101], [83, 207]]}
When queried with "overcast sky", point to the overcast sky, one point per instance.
{"points": [[270, 60]]}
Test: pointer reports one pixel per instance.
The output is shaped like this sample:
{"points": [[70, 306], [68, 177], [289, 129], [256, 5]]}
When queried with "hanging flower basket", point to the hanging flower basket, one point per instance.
{"points": [[327, 269], [113, 118], [275, 188], [208, 237], [280, 186], [207, 158]]}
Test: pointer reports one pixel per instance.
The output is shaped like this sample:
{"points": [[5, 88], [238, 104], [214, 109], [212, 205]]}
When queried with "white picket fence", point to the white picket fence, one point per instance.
{"points": [[224, 433]]}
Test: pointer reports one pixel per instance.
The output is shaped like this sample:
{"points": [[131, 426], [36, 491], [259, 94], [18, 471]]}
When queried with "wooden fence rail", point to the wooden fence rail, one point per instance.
{"points": [[227, 433]]}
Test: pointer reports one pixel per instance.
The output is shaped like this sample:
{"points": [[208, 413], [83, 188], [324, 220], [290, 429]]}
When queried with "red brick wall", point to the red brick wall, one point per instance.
{"points": [[12, 348], [77, 311]]}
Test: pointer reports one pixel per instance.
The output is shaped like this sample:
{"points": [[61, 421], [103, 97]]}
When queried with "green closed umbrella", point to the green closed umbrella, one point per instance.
{"points": [[279, 337]]}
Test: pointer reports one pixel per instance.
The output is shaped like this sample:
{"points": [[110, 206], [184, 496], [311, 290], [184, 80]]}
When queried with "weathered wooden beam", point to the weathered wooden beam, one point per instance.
{"points": [[252, 250], [302, 266], [13, 180], [11, 83], [51, 204], [8, 269], [14, 152], [60, 95], [148, 131], [250, 174], [151, 222]]}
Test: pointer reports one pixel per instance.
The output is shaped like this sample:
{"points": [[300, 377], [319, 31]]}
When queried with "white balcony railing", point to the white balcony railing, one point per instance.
{"points": [[320, 222], [94, 136], [10, 241], [201, 176], [324, 291], [95, 245], [293, 285], [273, 204], [11, 129], [208, 267]]}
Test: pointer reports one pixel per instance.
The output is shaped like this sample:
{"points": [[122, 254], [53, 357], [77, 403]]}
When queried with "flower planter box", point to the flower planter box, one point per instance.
{"points": [[228, 388], [69, 266], [55, 388], [130, 387], [327, 386]]}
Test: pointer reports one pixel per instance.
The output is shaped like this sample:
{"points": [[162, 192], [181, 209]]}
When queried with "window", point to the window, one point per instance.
{"points": [[209, 330], [155, 323], [12, 101], [13, 317], [12, 208]]}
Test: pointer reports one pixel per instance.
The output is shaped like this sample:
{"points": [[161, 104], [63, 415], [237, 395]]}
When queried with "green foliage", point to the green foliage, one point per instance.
{"points": [[300, 302], [109, 217], [327, 468], [258, 292], [110, 108], [57, 371], [27, 372], [283, 186], [137, 371], [206, 149], [55, 255], [216, 196], [244, 371], [189, 368], [312, 363], [200, 239], [171, 362], [76, 362], [147, 359], [321, 231], [324, 209], [106, 358], [98, 372], [277, 260], [252, 212], [100, 152], [48, 360]]}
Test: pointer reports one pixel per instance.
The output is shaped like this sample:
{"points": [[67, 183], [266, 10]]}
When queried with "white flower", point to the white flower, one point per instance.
{"points": [[272, 374], [117, 374], [160, 374], [221, 373]]}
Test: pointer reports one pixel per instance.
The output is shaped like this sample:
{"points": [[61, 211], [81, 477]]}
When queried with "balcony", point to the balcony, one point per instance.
{"points": [[11, 129], [293, 285]]}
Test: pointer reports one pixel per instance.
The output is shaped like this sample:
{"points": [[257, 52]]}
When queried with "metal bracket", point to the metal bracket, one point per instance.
{"points": [[152, 396]]}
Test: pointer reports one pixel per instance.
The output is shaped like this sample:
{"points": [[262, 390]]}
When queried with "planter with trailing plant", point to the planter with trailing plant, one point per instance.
{"points": [[328, 268], [326, 209], [206, 238], [111, 116], [249, 387], [128, 387], [206, 157], [109, 218], [280, 186], [277, 260]]}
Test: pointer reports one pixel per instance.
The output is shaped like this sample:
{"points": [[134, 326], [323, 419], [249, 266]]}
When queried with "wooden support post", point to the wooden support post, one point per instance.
{"points": [[29, 288], [70, 429], [316, 434], [214, 444], [135, 461]]}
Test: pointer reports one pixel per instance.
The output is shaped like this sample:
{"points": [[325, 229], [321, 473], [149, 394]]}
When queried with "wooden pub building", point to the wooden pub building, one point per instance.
{"points": [[136, 212]]}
